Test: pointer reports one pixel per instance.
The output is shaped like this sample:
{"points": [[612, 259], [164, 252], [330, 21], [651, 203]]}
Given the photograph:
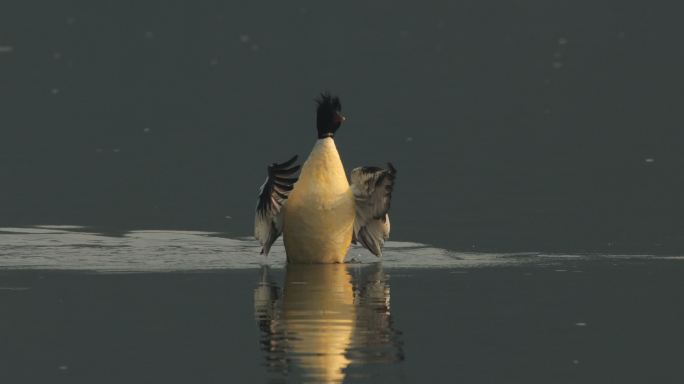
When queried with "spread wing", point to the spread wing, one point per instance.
{"points": [[268, 223], [372, 187]]}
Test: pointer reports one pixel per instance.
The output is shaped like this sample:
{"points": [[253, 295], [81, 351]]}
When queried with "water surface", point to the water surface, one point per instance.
{"points": [[539, 153], [165, 306]]}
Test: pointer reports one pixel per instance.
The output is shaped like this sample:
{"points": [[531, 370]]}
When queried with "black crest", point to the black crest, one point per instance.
{"points": [[328, 115]]}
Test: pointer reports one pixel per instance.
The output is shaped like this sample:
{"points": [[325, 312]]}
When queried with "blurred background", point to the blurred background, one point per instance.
{"points": [[515, 125]]}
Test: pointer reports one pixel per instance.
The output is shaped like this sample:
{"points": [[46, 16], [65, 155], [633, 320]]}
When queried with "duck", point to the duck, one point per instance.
{"points": [[314, 206]]}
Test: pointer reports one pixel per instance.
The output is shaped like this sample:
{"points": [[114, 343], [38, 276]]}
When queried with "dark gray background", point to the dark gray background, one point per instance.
{"points": [[515, 125]]}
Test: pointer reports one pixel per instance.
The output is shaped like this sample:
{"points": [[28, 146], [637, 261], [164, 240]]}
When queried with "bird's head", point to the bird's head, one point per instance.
{"points": [[328, 115]]}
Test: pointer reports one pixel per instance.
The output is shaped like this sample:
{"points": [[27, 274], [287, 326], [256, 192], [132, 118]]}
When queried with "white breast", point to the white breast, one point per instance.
{"points": [[319, 213]]}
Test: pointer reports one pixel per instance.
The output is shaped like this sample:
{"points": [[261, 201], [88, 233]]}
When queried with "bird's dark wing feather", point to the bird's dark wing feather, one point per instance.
{"points": [[268, 223], [372, 187]]}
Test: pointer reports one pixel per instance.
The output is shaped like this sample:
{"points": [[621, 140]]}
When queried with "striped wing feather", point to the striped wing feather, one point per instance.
{"points": [[273, 193], [372, 188]]}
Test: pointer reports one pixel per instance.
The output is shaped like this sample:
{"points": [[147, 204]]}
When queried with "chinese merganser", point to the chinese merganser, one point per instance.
{"points": [[319, 213]]}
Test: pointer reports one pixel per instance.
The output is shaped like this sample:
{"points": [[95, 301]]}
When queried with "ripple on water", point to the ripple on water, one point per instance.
{"points": [[79, 248], [76, 248]]}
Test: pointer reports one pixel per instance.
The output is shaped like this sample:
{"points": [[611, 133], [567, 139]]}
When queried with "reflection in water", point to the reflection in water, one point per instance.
{"points": [[325, 320]]}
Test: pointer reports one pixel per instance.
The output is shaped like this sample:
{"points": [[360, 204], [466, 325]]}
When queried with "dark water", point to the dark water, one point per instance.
{"points": [[539, 153], [578, 321], [514, 125], [163, 306]]}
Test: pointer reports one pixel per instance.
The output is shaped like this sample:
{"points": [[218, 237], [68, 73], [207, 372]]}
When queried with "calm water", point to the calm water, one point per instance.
{"points": [[165, 306], [539, 153], [515, 126]]}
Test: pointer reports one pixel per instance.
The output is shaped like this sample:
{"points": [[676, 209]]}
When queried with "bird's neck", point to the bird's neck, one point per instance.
{"points": [[324, 166]]}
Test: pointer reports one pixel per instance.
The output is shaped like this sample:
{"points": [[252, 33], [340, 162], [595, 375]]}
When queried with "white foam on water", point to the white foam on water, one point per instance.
{"points": [[73, 248]]}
